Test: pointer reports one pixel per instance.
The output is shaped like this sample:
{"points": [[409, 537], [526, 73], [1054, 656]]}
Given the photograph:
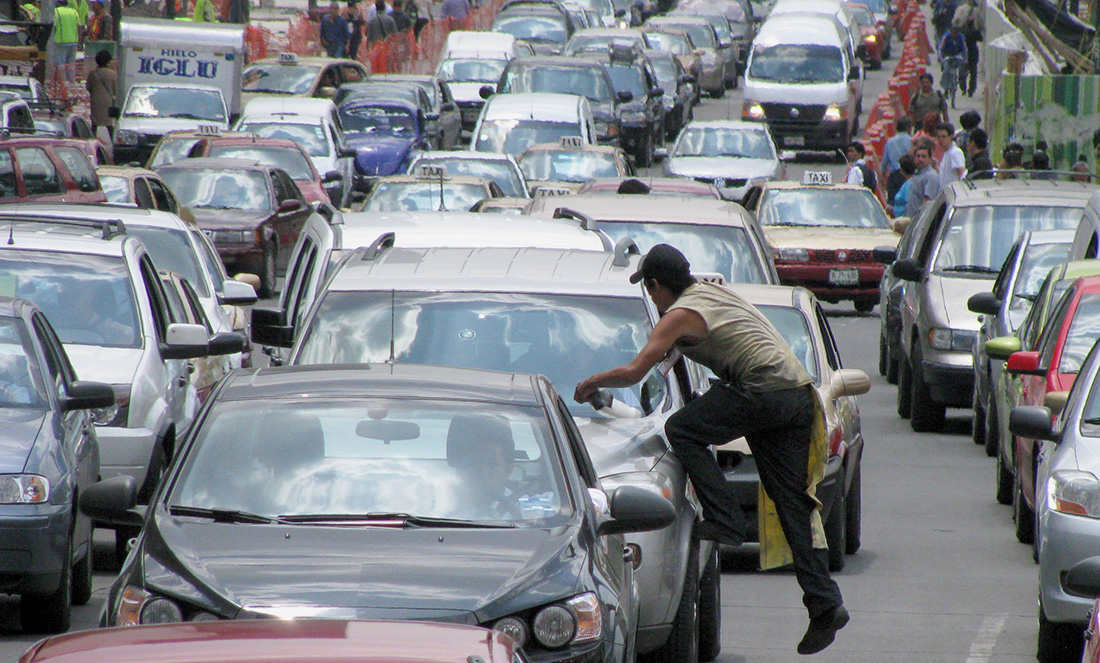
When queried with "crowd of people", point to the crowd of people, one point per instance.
{"points": [[344, 29]]}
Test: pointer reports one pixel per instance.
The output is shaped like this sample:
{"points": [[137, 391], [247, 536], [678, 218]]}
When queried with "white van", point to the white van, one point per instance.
{"points": [[805, 82], [1086, 241], [467, 40], [511, 123]]}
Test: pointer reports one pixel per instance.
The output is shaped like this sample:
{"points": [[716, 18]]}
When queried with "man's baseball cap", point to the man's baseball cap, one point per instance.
{"points": [[663, 263]]}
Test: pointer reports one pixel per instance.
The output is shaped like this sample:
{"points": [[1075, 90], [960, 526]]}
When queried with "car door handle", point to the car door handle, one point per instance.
{"points": [[182, 380]]}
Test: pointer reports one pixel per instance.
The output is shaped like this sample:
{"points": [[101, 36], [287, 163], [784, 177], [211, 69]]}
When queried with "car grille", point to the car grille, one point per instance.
{"points": [[795, 113], [841, 255], [723, 182]]}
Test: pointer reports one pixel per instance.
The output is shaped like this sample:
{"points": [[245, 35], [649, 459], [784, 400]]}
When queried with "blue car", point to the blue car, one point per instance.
{"points": [[386, 134]]}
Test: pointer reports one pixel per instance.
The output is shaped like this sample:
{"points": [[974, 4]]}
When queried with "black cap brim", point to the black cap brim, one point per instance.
{"points": [[637, 276]]}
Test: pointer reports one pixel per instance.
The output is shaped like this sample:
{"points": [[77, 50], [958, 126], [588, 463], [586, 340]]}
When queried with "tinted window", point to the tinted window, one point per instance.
{"points": [[851, 208], [80, 168], [797, 63], [723, 250], [20, 383], [288, 158], [171, 251], [7, 175], [39, 174], [977, 239]]}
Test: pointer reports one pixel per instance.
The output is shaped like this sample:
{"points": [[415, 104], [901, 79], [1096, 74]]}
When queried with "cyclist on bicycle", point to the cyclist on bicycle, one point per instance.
{"points": [[952, 54]]}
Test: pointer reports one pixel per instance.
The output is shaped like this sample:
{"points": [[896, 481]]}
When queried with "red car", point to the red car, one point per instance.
{"points": [[280, 152], [276, 640], [872, 34], [1069, 334], [47, 170]]}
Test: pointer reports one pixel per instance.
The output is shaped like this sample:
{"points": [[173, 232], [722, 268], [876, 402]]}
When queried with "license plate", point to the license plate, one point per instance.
{"points": [[794, 141], [843, 277]]}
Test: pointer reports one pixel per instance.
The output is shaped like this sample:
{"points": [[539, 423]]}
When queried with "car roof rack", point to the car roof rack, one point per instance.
{"points": [[587, 222], [1026, 175], [329, 213], [624, 248], [108, 227], [377, 247]]}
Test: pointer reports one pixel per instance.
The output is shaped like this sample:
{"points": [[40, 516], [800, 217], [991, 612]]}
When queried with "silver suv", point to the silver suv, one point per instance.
{"points": [[957, 247], [565, 314]]}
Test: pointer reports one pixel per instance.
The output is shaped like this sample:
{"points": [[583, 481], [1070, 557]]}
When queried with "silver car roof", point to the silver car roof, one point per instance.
{"points": [[467, 229]]}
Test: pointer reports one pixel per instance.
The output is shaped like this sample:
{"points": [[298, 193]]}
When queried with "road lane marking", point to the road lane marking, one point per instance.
{"points": [[981, 650]]}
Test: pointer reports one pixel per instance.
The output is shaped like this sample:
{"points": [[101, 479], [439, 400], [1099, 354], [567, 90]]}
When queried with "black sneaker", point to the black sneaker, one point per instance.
{"points": [[822, 630], [708, 531]]}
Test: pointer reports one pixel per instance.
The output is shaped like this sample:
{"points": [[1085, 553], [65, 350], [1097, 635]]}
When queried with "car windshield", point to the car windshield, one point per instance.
{"points": [[117, 189], [792, 326], [585, 81], [20, 381], [171, 251], [43, 125], [1084, 329], [581, 43], [342, 461], [722, 250], [526, 333], [186, 103], [515, 136], [835, 208], [567, 165], [170, 150], [1036, 263], [532, 28], [309, 136], [863, 16], [797, 63], [88, 299], [630, 79], [219, 188], [718, 142], [423, 196], [673, 42], [369, 119], [702, 35], [602, 7], [979, 238], [471, 70], [667, 75], [24, 91], [500, 171], [279, 78], [291, 160]]}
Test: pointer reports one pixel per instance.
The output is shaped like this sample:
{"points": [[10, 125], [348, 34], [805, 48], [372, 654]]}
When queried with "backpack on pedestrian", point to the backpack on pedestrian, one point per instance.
{"points": [[870, 180]]}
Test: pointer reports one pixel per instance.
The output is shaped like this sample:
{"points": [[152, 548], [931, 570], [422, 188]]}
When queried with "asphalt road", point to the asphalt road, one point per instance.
{"points": [[940, 577]]}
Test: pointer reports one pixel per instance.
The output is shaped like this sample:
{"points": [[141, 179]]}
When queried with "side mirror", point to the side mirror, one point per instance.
{"points": [[1083, 578], [1024, 363], [849, 382], [184, 341], [624, 96], [326, 92], [289, 206], [908, 270], [900, 224], [486, 91], [225, 343], [237, 293], [984, 302], [112, 501], [332, 176], [656, 92], [187, 215], [269, 327], [788, 155], [346, 153], [85, 395], [448, 107], [431, 117], [619, 13], [635, 509], [687, 79], [1002, 347], [1031, 421], [853, 73]]}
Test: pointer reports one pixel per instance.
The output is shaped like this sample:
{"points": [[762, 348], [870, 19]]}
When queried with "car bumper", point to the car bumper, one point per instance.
{"points": [[833, 282], [35, 547], [247, 258], [594, 652], [950, 384], [1065, 540], [124, 155], [824, 135], [125, 451]]}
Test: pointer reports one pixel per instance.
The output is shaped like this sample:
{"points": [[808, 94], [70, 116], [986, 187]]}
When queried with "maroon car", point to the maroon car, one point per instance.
{"points": [[277, 640], [251, 210], [280, 152], [43, 169]]}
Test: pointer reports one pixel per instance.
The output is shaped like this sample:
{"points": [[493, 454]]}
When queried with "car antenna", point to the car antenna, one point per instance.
{"points": [[11, 234], [392, 314], [442, 205]]}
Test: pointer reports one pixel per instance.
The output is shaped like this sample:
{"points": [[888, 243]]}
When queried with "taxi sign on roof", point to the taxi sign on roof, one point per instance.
{"points": [[817, 177], [571, 142], [429, 171], [548, 191], [288, 58], [209, 130]]}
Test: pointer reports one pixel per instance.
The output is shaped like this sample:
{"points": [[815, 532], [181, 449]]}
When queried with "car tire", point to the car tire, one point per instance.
{"points": [[1022, 513], [883, 355], [682, 645], [835, 527], [1059, 642], [977, 427], [925, 415], [905, 389], [50, 613], [992, 437], [717, 93], [853, 513], [710, 609], [82, 578], [865, 305], [268, 277], [1005, 483]]}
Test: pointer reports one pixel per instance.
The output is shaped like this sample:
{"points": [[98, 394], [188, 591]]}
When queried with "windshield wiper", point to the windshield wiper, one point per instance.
{"points": [[1092, 421], [192, 116], [264, 90], [408, 520], [220, 515], [981, 269]]}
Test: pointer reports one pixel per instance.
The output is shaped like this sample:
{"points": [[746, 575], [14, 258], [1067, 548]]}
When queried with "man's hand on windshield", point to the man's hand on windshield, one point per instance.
{"points": [[585, 389]]}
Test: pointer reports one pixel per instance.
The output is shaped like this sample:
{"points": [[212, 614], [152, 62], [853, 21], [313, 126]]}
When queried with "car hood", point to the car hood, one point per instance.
{"points": [[807, 237], [110, 365], [619, 445], [20, 430], [949, 295], [227, 219], [466, 92], [381, 155], [364, 573], [725, 167]]}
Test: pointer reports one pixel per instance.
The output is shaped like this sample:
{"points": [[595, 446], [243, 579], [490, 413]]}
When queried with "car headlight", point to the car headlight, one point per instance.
{"points": [[870, 39], [1075, 492], [835, 112], [117, 415], [792, 255], [233, 236], [574, 620], [126, 137], [554, 626], [24, 489], [514, 628], [960, 340], [140, 606], [752, 111]]}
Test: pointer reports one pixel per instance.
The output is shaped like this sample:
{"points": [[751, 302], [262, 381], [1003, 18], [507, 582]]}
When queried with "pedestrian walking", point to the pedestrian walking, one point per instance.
{"points": [[204, 12], [925, 184], [67, 33], [953, 161], [400, 17], [978, 164], [927, 100], [456, 9], [897, 186], [102, 84], [356, 27], [763, 394], [100, 25], [381, 25], [897, 146], [859, 173], [334, 32], [971, 21]]}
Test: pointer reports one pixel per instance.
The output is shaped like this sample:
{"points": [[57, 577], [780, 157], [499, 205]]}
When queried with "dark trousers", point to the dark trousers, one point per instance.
{"points": [[777, 426]]}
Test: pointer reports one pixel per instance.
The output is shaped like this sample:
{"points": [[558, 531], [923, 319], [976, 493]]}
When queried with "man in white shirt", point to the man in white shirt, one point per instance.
{"points": [[953, 162], [856, 153]]}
